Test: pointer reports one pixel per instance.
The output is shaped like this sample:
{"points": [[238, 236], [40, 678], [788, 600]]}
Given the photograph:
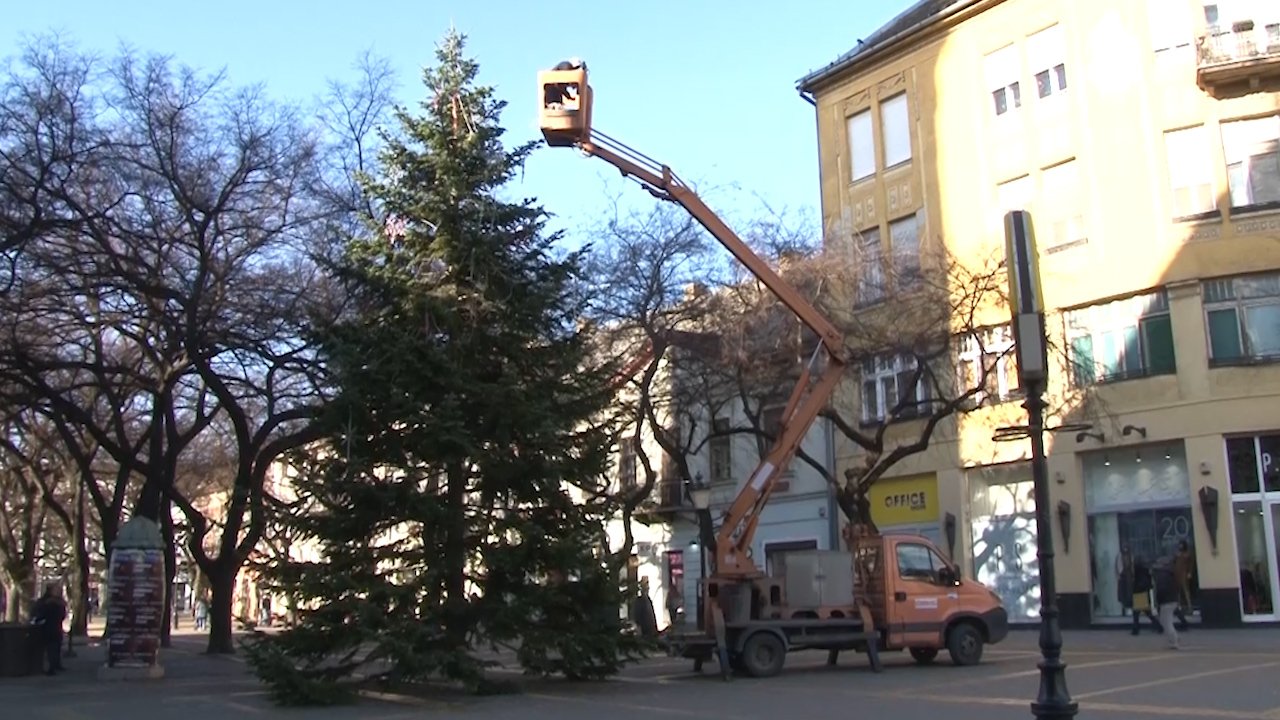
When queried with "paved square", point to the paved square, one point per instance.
{"points": [[1218, 674]]}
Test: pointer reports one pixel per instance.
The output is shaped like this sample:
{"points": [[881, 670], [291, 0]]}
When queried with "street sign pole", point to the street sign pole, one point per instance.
{"points": [[1026, 300]]}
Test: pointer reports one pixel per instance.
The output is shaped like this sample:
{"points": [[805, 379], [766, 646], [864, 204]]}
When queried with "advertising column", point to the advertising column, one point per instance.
{"points": [[136, 601]]}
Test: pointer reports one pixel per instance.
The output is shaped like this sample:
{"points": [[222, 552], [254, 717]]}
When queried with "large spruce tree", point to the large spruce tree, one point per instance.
{"points": [[456, 504]]}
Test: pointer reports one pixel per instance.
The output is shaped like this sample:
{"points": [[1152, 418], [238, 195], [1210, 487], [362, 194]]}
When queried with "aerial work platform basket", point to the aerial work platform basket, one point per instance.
{"points": [[564, 99]]}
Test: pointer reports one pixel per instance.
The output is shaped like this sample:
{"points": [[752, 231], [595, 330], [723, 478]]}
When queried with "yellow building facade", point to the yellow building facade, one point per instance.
{"points": [[1144, 138]]}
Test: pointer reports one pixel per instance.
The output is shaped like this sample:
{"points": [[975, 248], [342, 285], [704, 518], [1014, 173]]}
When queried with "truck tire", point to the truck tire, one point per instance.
{"points": [[924, 656], [964, 643], [763, 655]]}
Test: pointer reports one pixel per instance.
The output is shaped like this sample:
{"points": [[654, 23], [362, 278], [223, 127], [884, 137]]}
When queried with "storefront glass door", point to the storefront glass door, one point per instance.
{"points": [[1255, 485]]}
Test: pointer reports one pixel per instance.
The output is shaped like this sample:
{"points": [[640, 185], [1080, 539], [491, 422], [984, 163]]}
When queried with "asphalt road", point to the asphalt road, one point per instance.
{"points": [[1217, 674]]}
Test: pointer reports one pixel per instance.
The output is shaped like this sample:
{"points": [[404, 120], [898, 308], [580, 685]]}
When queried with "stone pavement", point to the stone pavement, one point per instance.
{"points": [[1218, 674]]}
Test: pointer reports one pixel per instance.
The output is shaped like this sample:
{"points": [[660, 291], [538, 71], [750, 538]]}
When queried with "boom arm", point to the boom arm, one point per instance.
{"points": [[568, 123]]}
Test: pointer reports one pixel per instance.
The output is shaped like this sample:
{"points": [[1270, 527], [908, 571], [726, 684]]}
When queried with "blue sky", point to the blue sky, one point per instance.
{"points": [[706, 86]]}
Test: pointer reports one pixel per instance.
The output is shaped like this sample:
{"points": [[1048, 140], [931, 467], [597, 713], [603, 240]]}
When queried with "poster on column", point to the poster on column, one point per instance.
{"points": [[135, 609]]}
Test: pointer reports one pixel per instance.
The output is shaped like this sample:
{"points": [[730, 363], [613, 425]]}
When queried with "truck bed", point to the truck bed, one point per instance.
{"points": [[833, 634]]}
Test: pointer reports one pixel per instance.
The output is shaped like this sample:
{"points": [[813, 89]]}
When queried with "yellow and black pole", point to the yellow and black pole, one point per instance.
{"points": [[1026, 300]]}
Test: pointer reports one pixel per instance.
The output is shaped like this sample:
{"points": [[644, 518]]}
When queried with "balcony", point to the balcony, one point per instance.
{"points": [[1240, 60], [668, 500]]}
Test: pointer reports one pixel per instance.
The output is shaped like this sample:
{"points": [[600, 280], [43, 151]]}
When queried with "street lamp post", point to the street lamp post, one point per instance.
{"points": [[1027, 305], [700, 499]]}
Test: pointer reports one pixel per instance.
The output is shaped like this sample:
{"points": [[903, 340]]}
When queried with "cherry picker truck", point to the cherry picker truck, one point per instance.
{"points": [[886, 592]]}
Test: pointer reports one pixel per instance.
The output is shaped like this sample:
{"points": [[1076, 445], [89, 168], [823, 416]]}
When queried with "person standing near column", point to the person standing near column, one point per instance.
{"points": [[48, 614]]}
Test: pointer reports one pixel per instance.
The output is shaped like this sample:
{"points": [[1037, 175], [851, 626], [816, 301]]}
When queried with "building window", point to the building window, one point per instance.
{"points": [[721, 451], [986, 363], [888, 390], [1002, 73], [1252, 152], [904, 234], [895, 125], [627, 464], [1064, 200], [1190, 171], [1014, 195], [1046, 53], [862, 147], [771, 424], [1243, 315], [1168, 30], [1010, 195], [1119, 340], [869, 262]]}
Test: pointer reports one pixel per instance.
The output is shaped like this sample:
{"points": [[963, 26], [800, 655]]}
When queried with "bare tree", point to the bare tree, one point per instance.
{"points": [[653, 271], [22, 516], [918, 315], [179, 297]]}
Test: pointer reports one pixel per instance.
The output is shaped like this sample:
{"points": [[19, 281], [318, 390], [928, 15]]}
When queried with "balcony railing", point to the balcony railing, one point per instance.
{"points": [[1241, 59]]}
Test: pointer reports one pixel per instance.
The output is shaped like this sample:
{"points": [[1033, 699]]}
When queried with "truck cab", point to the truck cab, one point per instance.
{"points": [[926, 604]]}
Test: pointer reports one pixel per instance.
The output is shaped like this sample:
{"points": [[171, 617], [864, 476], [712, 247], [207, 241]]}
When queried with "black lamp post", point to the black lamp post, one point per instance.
{"points": [[700, 499], [1027, 304]]}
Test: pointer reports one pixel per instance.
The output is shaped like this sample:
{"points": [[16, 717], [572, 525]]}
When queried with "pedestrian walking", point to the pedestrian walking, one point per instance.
{"points": [[675, 603], [47, 616], [1124, 579], [1142, 595], [1184, 566], [1167, 598], [201, 614]]}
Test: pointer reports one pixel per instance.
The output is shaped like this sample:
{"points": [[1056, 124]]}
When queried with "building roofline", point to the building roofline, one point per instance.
{"points": [[884, 39]]}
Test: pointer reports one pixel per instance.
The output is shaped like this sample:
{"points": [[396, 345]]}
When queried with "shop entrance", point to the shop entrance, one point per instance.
{"points": [[1254, 470], [1138, 501]]}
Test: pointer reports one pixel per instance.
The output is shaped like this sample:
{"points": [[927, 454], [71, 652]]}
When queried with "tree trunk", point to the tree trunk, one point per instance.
{"points": [[222, 585], [83, 566], [109, 532], [15, 600], [455, 556]]}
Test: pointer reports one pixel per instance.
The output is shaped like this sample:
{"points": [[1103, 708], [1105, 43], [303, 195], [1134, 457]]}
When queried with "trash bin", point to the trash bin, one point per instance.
{"points": [[20, 651]]}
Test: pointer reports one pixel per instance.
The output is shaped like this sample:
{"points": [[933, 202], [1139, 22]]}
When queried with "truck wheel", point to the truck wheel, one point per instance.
{"points": [[924, 656], [763, 655], [964, 643]]}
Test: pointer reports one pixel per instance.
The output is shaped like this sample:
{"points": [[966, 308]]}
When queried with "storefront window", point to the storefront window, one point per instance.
{"points": [[1147, 535], [1246, 456], [1242, 465], [1002, 507], [1139, 507]]}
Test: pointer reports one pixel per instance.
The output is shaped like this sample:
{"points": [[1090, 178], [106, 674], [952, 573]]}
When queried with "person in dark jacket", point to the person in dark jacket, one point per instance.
{"points": [[1142, 595], [47, 616], [1167, 598]]}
